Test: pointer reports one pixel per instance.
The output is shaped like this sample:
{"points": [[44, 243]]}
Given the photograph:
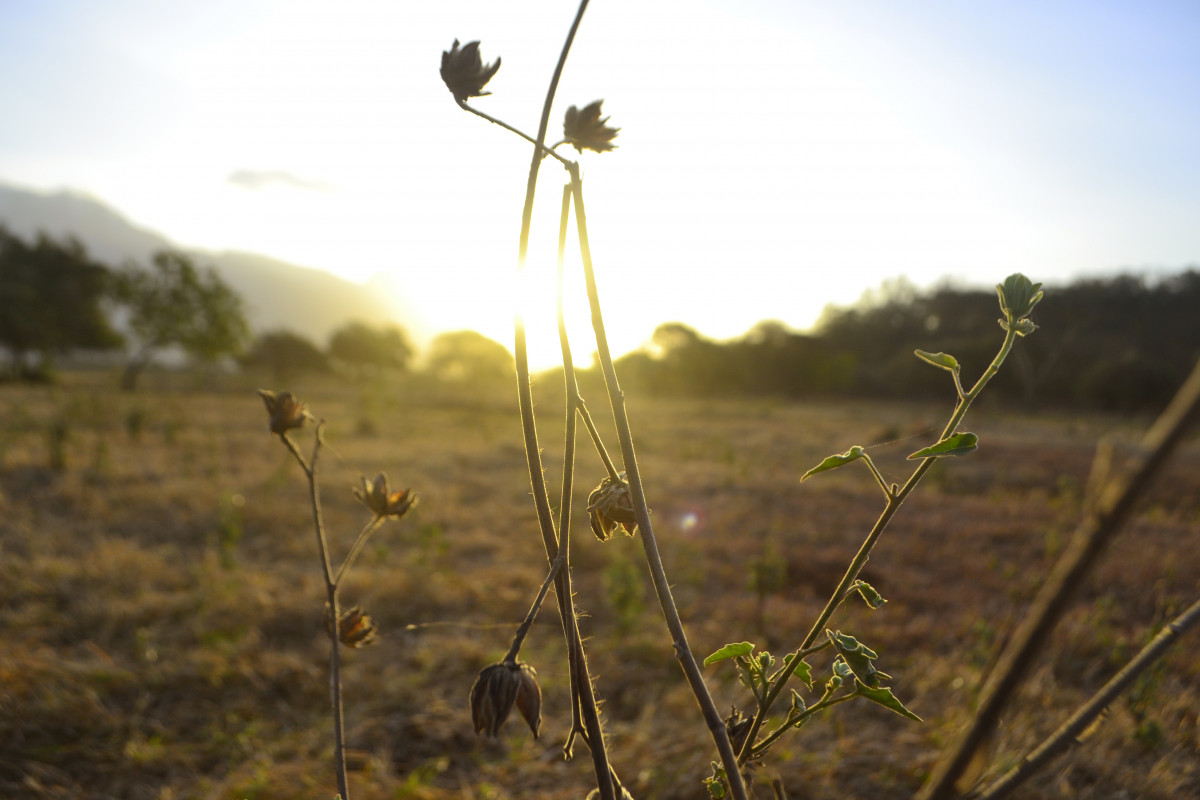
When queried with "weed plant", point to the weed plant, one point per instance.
{"points": [[743, 738]]}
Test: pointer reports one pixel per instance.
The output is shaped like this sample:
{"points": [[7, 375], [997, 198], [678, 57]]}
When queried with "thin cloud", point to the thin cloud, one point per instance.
{"points": [[262, 179]]}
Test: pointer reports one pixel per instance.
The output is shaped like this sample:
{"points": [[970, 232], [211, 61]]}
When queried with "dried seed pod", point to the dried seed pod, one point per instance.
{"points": [[610, 505], [375, 496], [585, 129], [355, 627], [497, 689], [285, 411], [464, 72]]}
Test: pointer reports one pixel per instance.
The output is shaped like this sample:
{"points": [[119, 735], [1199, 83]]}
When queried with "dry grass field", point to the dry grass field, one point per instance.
{"points": [[160, 598]]}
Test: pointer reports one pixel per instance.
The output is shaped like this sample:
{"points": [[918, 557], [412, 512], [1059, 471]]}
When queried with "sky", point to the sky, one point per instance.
{"points": [[775, 156]]}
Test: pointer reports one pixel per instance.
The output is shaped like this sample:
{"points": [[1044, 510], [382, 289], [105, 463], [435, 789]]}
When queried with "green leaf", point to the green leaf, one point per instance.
{"points": [[803, 671], [833, 462], [884, 697], [730, 651], [1018, 296], [869, 594], [942, 360], [798, 704], [857, 656], [957, 445]]}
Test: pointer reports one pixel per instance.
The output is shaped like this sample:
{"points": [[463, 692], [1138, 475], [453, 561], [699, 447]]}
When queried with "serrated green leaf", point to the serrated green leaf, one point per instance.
{"points": [[869, 594], [884, 697], [798, 704], [942, 360], [833, 462], [730, 651], [957, 445]]}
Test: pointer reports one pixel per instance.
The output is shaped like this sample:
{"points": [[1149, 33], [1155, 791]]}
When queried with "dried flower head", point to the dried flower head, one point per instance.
{"points": [[497, 689], [285, 411], [585, 129], [375, 496], [464, 72], [610, 505], [355, 627]]}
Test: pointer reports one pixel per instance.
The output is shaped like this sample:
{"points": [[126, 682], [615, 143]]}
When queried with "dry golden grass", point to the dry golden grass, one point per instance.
{"points": [[160, 599]]}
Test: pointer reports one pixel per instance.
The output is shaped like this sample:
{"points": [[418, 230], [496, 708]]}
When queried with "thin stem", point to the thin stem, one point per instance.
{"points": [[662, 587], [601, 450], [546, 151], [331, 598], [533, 453], [1068, 734], [894, 501], [576, 658], [523, 629], [1111, 510], [761, 747], [357, 547]]}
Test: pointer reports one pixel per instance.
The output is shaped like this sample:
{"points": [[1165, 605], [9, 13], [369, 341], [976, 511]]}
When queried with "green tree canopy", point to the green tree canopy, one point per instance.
{"points": [[176, 303], [286, 354], [359, 344], [469, 356], [50, 299]]}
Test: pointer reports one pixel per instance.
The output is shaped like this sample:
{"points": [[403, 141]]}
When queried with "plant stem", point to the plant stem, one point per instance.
{"points": [[546, 151], [533, 458], [357, 547], [894, 501], [1067, 735], [331, 598], [523, 629], [662, 587], [1110, 512]]}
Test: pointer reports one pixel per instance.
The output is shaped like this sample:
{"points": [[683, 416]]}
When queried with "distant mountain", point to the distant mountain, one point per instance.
{"points": [[277, 294]]}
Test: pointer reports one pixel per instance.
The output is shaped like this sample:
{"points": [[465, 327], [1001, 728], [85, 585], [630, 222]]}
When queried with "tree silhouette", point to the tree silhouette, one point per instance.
{"points": [[175, 303], [50, 300], [469, 356], [362, 345], [285, 354]]}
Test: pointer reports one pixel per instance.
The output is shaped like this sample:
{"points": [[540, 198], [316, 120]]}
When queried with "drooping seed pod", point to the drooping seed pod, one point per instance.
{"points": [[497, 689], [610, 505]]}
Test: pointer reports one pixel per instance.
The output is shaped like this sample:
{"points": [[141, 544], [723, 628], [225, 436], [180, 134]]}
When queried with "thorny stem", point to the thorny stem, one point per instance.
{"points": [[894, 501], [1068, 734], [331, 597], [662, 587], [595, 736], [575, 654], [1109, 513]]}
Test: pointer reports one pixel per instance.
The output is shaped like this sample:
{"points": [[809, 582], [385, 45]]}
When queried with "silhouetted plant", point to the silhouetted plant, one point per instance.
{"points": [[351, 627]]}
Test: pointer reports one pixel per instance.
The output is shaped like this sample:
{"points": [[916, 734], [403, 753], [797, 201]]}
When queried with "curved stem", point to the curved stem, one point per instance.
{"points": [[662, 586], [532, 451], [860, 559], [357, 547]]}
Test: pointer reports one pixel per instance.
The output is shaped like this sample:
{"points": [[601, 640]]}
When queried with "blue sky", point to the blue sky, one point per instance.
{"points": [[774, 156]]}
